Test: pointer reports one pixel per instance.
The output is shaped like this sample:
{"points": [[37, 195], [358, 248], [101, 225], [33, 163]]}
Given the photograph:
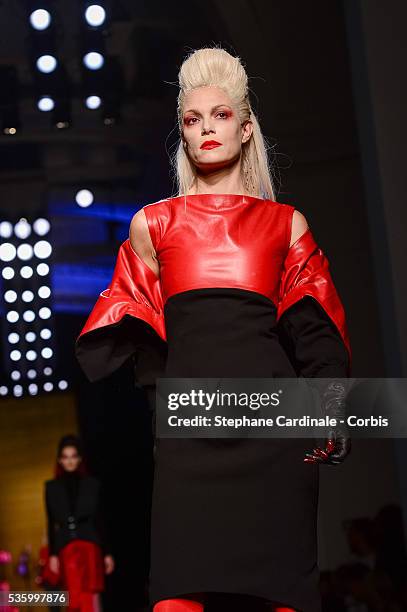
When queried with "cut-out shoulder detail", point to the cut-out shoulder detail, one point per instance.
{"points": [[298, 227], [140, 241]]}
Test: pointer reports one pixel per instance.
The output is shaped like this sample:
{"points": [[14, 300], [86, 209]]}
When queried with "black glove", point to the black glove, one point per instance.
{"points": [[338, 442]]}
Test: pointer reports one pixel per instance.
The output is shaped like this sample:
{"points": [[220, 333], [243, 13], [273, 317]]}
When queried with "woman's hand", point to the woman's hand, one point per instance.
{"points": [[109, 564], [338, 442], [54, 564]]}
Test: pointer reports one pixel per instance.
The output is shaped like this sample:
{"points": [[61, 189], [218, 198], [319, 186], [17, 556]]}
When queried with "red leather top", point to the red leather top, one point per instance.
{"points": [[222, 240]]}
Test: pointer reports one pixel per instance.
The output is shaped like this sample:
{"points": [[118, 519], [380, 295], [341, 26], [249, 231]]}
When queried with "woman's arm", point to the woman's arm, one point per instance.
{"points": [[50, 524], [141, 242]]}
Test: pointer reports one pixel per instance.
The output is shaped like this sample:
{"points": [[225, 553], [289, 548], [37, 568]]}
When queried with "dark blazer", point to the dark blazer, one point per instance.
{"points": [[85, 523]]}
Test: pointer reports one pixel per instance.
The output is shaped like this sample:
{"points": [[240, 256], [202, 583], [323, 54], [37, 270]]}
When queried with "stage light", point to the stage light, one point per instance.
{"points": [[13, 338], [42, 249], [26, 272], [93, 60], [22, 229], [45, 333], [15, 375], [32, 374], [84, 198], [3, 390], [6, 229], [46, 63], [25, 251], [10, 296], [42, 269], [40, 19], [33, 389], [12, 316], [44, 312], [7, 273], [63, 385], [31, 355], [27, 296], [48, 386], [28, 316], [15, 355], [7, 251], [95, 15], [30, 336], [47, 371], [41, 226], [44, 292], [93, 102], [46, 104], [47, 352], [18, 390]]}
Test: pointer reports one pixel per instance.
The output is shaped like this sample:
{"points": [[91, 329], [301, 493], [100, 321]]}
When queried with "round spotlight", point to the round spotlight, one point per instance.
{"points": [[42, 269], [84, 198], [45, 104], [93, 60], [47, 352], [47, 371], [3, 390], [7, 273], [44, 312], [28, 316], [40, 19], [44, 292], [10, 296], [25, 251], [27, 296], [18, 390], [33, 389], [7, 251], [15, 375], [48, 386], [6, 229], [46, 63], [13, 338], [31, 355], [30, 336], [22, 229], [45, 333], [42, 249], [26, 272], [95, 15], [12, 316], [15, 355], [32, 374], [93, 102], [63, 385], [41, 226]]}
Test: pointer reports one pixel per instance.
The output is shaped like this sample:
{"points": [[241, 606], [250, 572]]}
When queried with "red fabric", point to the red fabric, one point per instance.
{"points": [[306, 272], [178, 605], [82, 573]]}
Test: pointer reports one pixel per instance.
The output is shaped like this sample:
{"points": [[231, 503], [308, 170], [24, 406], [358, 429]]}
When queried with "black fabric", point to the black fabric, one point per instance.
{"points": [[240, 515]]}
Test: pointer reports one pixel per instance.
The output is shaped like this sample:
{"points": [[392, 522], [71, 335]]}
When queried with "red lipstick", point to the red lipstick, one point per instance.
{"points": [[210, 144]]}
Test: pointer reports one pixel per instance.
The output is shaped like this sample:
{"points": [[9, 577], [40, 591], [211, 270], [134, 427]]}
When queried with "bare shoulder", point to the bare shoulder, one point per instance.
{"points": [[139, 234], [298, 227]]}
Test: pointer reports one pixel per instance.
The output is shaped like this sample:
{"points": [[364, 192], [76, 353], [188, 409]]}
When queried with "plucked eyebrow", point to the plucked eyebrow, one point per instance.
{"points": [[192, 110]]}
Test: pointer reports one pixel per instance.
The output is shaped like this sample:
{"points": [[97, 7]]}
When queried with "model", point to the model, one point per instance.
{"points": [[77, 539], [223, 281]]}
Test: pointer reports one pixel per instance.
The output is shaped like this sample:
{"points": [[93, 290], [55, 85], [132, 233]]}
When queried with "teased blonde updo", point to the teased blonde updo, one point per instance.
{"points": [[215, 66]]}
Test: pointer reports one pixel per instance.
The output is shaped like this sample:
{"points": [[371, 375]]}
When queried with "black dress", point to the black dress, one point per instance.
{"points": [[234, 516], [260, 537]]}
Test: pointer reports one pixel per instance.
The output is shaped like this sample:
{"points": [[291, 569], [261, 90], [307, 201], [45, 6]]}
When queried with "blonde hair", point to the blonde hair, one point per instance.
{"points": [[215, 66]]}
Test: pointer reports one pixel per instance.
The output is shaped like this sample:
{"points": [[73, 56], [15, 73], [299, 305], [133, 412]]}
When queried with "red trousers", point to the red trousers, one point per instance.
{"points": [[82, 575]]}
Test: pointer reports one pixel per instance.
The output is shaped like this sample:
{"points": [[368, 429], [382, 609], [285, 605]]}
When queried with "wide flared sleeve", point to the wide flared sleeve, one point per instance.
{"points": [[126, 320], [306, 273]]}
